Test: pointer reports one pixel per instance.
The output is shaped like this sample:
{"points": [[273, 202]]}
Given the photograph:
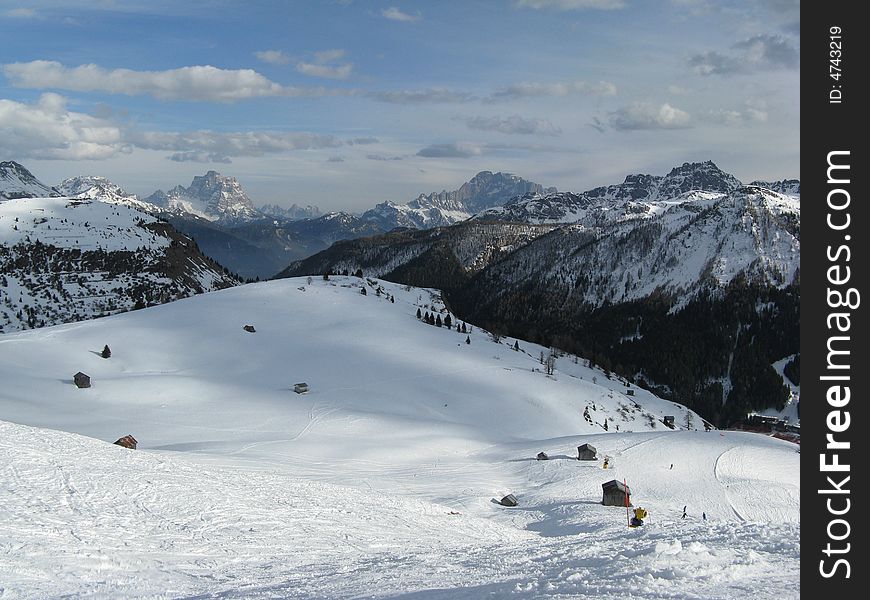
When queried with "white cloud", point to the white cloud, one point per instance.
{"points": [[394, 14], [513, 124], [746, 116], [48, 130], [559, 89], [571, 4], [758, 53], [325, 71], [200, 157], [455, 150], [433, 95], [250, 143], [327, 56], [273, 57], [21, 13], [641, 115], [205, 83], [323, 66]]}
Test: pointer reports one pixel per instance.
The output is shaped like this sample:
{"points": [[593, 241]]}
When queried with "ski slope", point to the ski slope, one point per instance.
{"points": [[381, 481]]}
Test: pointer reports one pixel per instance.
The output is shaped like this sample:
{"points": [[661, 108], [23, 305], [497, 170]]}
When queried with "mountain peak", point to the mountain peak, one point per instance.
{"points": [[17, 182], [212, 196]]}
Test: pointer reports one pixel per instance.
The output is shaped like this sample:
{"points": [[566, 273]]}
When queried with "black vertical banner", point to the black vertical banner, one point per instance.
{"points": [[834, 255]]}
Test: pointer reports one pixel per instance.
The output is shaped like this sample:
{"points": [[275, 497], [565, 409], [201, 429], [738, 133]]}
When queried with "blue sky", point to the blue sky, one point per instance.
{"points": [[347, 103]]}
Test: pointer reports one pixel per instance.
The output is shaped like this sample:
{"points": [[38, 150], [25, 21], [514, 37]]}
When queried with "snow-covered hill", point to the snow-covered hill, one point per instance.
{"points": [[17, 182], [378, 482], [68, 259]]}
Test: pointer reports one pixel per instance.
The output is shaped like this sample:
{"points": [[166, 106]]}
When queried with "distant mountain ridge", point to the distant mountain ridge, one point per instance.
{"points": [[671, 280], [437, 209]]}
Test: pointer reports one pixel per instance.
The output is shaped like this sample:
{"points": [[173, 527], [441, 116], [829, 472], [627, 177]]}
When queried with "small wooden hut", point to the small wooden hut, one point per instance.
{"points": [[543, 456], [616, 493], [587, 452], [249, 328], [668, 421], [128, 441], [509, 500], [300, 388], [81, 380]]}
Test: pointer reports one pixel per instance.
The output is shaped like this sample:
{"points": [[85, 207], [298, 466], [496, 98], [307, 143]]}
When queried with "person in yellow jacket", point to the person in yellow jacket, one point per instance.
{"points": [[639, 515]]}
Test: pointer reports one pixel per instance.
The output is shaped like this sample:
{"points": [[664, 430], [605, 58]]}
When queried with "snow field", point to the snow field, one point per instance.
{"points": [[241, 488]]}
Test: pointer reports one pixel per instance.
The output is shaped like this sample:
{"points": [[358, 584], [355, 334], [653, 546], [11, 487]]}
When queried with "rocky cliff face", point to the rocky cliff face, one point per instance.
{"points": [[212, 196]]}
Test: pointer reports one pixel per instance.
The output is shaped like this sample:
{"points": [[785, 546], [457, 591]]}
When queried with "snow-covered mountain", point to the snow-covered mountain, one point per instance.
{"points": [[382, 480], [638, 196], [100, 188], [212, 196], [484, 190], [17, 182], [294, 213], [68, 259]]}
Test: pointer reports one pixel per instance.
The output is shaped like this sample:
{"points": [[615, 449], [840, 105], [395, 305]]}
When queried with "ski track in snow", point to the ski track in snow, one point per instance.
{"points": [[378, 483]]}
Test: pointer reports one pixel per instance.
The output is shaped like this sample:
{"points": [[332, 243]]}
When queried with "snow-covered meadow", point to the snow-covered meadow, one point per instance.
{"points": [[381, 481]]}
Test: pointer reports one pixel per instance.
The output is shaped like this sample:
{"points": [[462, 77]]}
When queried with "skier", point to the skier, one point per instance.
{"points": [[684, 512], [704, 516], [672, 466]]}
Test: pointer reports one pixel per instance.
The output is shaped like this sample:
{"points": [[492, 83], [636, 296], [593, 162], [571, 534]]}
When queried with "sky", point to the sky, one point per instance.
{"points": [[348, 103]]}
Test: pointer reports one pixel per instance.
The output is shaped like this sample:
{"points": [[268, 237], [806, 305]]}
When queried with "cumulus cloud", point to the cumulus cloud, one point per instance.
{"points": [[513, 124], [559, 89], [571, 4], [641, 115], [324, 65], [760, 52], [48, 130], [204, 83], [432, 95], [273, 57], [456, 150], [394, 14]]}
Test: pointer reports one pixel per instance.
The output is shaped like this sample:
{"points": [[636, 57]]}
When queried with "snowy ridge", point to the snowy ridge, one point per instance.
{"points": [[100, 188], [18, 182], [700, 240], [380, 480]]}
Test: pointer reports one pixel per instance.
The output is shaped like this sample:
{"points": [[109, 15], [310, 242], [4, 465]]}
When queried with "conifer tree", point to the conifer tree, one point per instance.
{"points": [[448, 322], [517, 345], [438, 321], [419, 316], [468, 339]]}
